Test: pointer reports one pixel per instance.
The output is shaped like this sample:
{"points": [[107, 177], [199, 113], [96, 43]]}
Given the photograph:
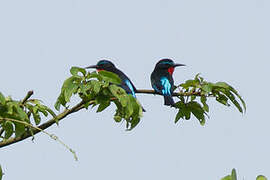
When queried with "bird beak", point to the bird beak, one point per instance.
{"points": [[175, 65], [93, 66]]}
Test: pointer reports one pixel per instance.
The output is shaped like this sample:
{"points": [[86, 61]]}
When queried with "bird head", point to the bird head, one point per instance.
{"points": [[167, 64], [103, 65]]}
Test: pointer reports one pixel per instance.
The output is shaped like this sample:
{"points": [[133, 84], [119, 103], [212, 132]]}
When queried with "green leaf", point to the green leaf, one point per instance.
{"points": [[37, 118], [2, 99], [57, 105], [117, 118], [43, 110], [197, 111], [190, 83], [110, 77], [72, 88], [8, 127], [192, 97], [69, 87], [124, 100], [236, 93], [75, 70], [222, 99], [221, 84], [1, 173], [134, 123], [229, 91], [129, 108], [234, 177], [19, 129], [51, 113], [180, 115], [116, 91], [183, 110], [20, 112], [234, 101], [261, 177], [103, 106], [227, 178], [205, 105], [96, 86], [207, 87]]}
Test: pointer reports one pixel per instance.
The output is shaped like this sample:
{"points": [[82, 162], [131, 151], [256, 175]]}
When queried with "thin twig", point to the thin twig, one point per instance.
{"points": [[43, 126], [54, 137]]}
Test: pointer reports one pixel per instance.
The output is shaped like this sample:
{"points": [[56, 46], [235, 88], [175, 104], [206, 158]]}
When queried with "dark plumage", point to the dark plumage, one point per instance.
{"points": [[162, 80], [126, 83]]}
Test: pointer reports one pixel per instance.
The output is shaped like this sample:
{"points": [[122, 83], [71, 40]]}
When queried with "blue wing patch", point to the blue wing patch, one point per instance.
{"points": [[130, 87], [166, 86]]}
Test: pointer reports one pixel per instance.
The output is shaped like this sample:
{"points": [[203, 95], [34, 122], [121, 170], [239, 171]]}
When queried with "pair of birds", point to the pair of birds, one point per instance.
{"points": [[161, 78]]}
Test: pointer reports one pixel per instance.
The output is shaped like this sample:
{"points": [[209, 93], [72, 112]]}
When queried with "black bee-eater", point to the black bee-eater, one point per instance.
{"points": [[126, 83], [162, 80]]}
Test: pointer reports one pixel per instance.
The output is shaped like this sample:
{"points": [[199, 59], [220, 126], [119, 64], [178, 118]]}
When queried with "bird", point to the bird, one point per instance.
{"points": [[162, 80], [126, 83]]}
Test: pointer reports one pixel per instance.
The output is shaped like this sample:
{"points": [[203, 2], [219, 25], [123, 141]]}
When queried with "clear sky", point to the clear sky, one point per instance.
{"points": [[226, 40]]}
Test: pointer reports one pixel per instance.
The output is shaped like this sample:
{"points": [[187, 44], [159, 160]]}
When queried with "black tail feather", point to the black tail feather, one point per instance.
{"points": [[143, 109], [168, 101]]}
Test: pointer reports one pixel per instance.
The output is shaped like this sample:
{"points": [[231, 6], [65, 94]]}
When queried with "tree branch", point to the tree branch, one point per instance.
{"points": [[146, 91], [74, 109], [43, 126]]}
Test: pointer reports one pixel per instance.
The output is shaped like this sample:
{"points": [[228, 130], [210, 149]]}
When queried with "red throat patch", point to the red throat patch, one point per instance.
{"points": [[99, 70], [170, 70]]}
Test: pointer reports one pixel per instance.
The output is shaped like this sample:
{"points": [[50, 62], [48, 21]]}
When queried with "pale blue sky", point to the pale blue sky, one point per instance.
{"points": [[224, 40]]}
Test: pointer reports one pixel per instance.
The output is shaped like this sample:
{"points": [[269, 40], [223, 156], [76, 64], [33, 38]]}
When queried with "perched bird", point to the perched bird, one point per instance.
{"points": [[162, 80], [126, 83]]}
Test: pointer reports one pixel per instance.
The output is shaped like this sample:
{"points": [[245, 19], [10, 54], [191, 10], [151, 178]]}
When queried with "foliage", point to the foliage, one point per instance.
{"points": [[1, 173], [100, 89], [261, 177], [20, 117], [233, 176], [193, 98]]}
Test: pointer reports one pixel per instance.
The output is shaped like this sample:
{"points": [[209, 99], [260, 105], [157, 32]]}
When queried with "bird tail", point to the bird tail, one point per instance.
{"points": [[143, 109], [168, 101]]}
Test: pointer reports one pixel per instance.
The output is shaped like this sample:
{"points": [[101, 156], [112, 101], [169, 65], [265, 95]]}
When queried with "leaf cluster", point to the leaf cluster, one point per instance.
{"points": [[233, 176], [19, 117], [194, 94], [100, 89]]}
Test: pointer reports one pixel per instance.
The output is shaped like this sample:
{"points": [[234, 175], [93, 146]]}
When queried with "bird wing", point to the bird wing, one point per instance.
{"points": [[126, 84], [166, 86]]}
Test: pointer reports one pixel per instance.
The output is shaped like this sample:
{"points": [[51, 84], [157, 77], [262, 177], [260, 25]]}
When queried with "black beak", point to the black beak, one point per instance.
{"points": [[93, 66], [175, 65]]}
